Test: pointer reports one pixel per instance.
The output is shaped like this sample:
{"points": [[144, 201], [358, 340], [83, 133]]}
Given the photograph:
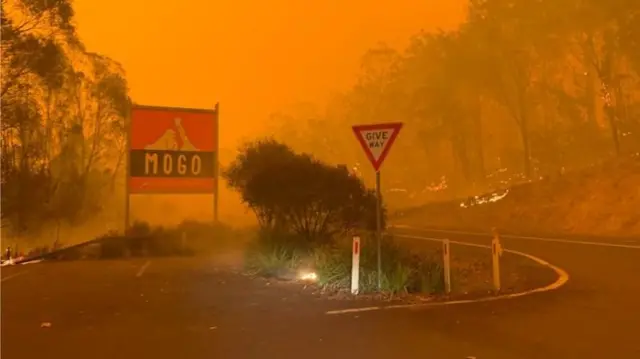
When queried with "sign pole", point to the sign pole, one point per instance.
{"points": [[379, 228], [217, 164], [127, 194]]}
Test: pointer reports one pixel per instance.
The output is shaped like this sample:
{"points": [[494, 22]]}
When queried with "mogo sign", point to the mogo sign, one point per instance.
{"points": [[171, 164], [173, 150]]}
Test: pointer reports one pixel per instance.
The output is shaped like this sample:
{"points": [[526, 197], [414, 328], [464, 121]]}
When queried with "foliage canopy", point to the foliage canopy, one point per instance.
{"points": [[295, 193]]}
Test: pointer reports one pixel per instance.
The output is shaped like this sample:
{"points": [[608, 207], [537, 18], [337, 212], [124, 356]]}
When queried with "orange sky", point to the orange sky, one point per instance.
{"points": [[253, 56]]}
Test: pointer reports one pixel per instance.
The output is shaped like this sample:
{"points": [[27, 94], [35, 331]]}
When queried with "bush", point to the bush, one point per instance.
{"points": [[141, 239], [402, 271], [302, 206], [296, 194]]}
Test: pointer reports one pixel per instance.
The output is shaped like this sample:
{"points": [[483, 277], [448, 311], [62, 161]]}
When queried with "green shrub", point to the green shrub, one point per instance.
{"points": [[332, 265], [402, 271], [429, 273], [296, 193], [272, 263], [275, 254]]}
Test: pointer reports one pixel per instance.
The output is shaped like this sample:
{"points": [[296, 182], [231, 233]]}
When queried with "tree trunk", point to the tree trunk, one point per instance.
{"points": [[613, 126], [523, 125], [526, 147], [480, 173]]}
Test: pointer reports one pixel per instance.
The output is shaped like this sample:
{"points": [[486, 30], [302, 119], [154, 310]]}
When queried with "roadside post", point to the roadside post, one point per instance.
{"points": [[376, 141], [355, 265], [446, 254], [496, 252]]}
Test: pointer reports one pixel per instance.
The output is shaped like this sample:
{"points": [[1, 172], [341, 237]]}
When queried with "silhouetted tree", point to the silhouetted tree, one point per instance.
{"points": [[521, 89], [295, 193], [63, 112]]}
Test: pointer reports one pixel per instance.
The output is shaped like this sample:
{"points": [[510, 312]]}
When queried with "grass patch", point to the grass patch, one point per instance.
{"points": [[275, 254], [403, 271]]}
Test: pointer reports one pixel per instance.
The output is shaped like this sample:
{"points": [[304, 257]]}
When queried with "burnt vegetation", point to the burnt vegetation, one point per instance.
{"points": [[520, 91]]}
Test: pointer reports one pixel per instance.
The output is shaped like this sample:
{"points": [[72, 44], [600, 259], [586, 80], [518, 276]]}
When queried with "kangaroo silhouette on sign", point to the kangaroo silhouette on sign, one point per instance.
{"points": [[173, 139]]}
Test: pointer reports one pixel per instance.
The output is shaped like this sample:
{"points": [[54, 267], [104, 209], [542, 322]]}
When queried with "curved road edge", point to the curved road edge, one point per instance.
{"points": [[563, 278]]}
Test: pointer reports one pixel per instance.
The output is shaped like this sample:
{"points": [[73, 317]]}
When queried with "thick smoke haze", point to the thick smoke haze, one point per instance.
{"points": [[253, 57]]}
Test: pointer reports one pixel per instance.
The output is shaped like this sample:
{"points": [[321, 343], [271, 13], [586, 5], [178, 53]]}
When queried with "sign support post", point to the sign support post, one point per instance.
{"points": [[379, 227], [376, 140], [127, 192], [216, 195], [355, 266]]}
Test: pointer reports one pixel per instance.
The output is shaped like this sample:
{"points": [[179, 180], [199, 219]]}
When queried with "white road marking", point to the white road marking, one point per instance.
{"points": [[558, 240], [563, 278], [143, 268], [12, 276], [354, 310]]}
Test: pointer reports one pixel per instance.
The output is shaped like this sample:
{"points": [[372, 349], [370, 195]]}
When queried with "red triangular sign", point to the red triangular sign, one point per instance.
{"points": [[376, 140]]}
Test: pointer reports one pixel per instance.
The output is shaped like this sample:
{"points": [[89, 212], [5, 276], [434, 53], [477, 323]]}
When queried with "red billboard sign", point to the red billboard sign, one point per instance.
{"points": [[173, 150]]}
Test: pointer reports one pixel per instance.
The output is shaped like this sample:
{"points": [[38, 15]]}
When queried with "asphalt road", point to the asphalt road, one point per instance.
{"points": [[189, 308]]}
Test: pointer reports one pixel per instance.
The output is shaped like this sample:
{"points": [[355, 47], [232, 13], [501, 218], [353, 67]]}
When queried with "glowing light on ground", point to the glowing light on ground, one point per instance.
{"points": [[309, 276]]}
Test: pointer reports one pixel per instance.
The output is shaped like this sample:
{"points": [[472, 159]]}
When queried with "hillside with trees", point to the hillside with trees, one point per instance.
{"points": [[520, 91]]}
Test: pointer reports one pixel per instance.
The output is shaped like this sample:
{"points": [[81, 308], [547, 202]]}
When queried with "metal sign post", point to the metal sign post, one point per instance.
{"points": [[376, 140], [379, 227], [127, 192], [216, 194]]}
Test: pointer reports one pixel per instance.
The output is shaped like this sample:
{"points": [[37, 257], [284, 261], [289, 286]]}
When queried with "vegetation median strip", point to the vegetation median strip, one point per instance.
{"points": [[562, 279], [308, 212]]}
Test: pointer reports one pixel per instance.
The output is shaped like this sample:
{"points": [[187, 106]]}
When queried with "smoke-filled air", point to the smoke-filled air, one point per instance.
{"points": [[301, 178]]}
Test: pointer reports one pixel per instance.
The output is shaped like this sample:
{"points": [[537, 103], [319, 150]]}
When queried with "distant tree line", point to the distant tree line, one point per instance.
{"points": [[63, 112], [522, 89]]}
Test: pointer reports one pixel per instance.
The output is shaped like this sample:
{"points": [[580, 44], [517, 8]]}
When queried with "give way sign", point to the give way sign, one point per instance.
{"points": [[376, 140]]}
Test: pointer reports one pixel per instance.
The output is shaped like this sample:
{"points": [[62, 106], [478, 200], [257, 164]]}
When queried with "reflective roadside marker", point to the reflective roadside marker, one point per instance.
{"points": [[355, 265], [496, 250]]}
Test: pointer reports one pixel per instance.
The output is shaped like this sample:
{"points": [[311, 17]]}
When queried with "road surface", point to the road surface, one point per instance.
{"points": [[188, 308]]}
